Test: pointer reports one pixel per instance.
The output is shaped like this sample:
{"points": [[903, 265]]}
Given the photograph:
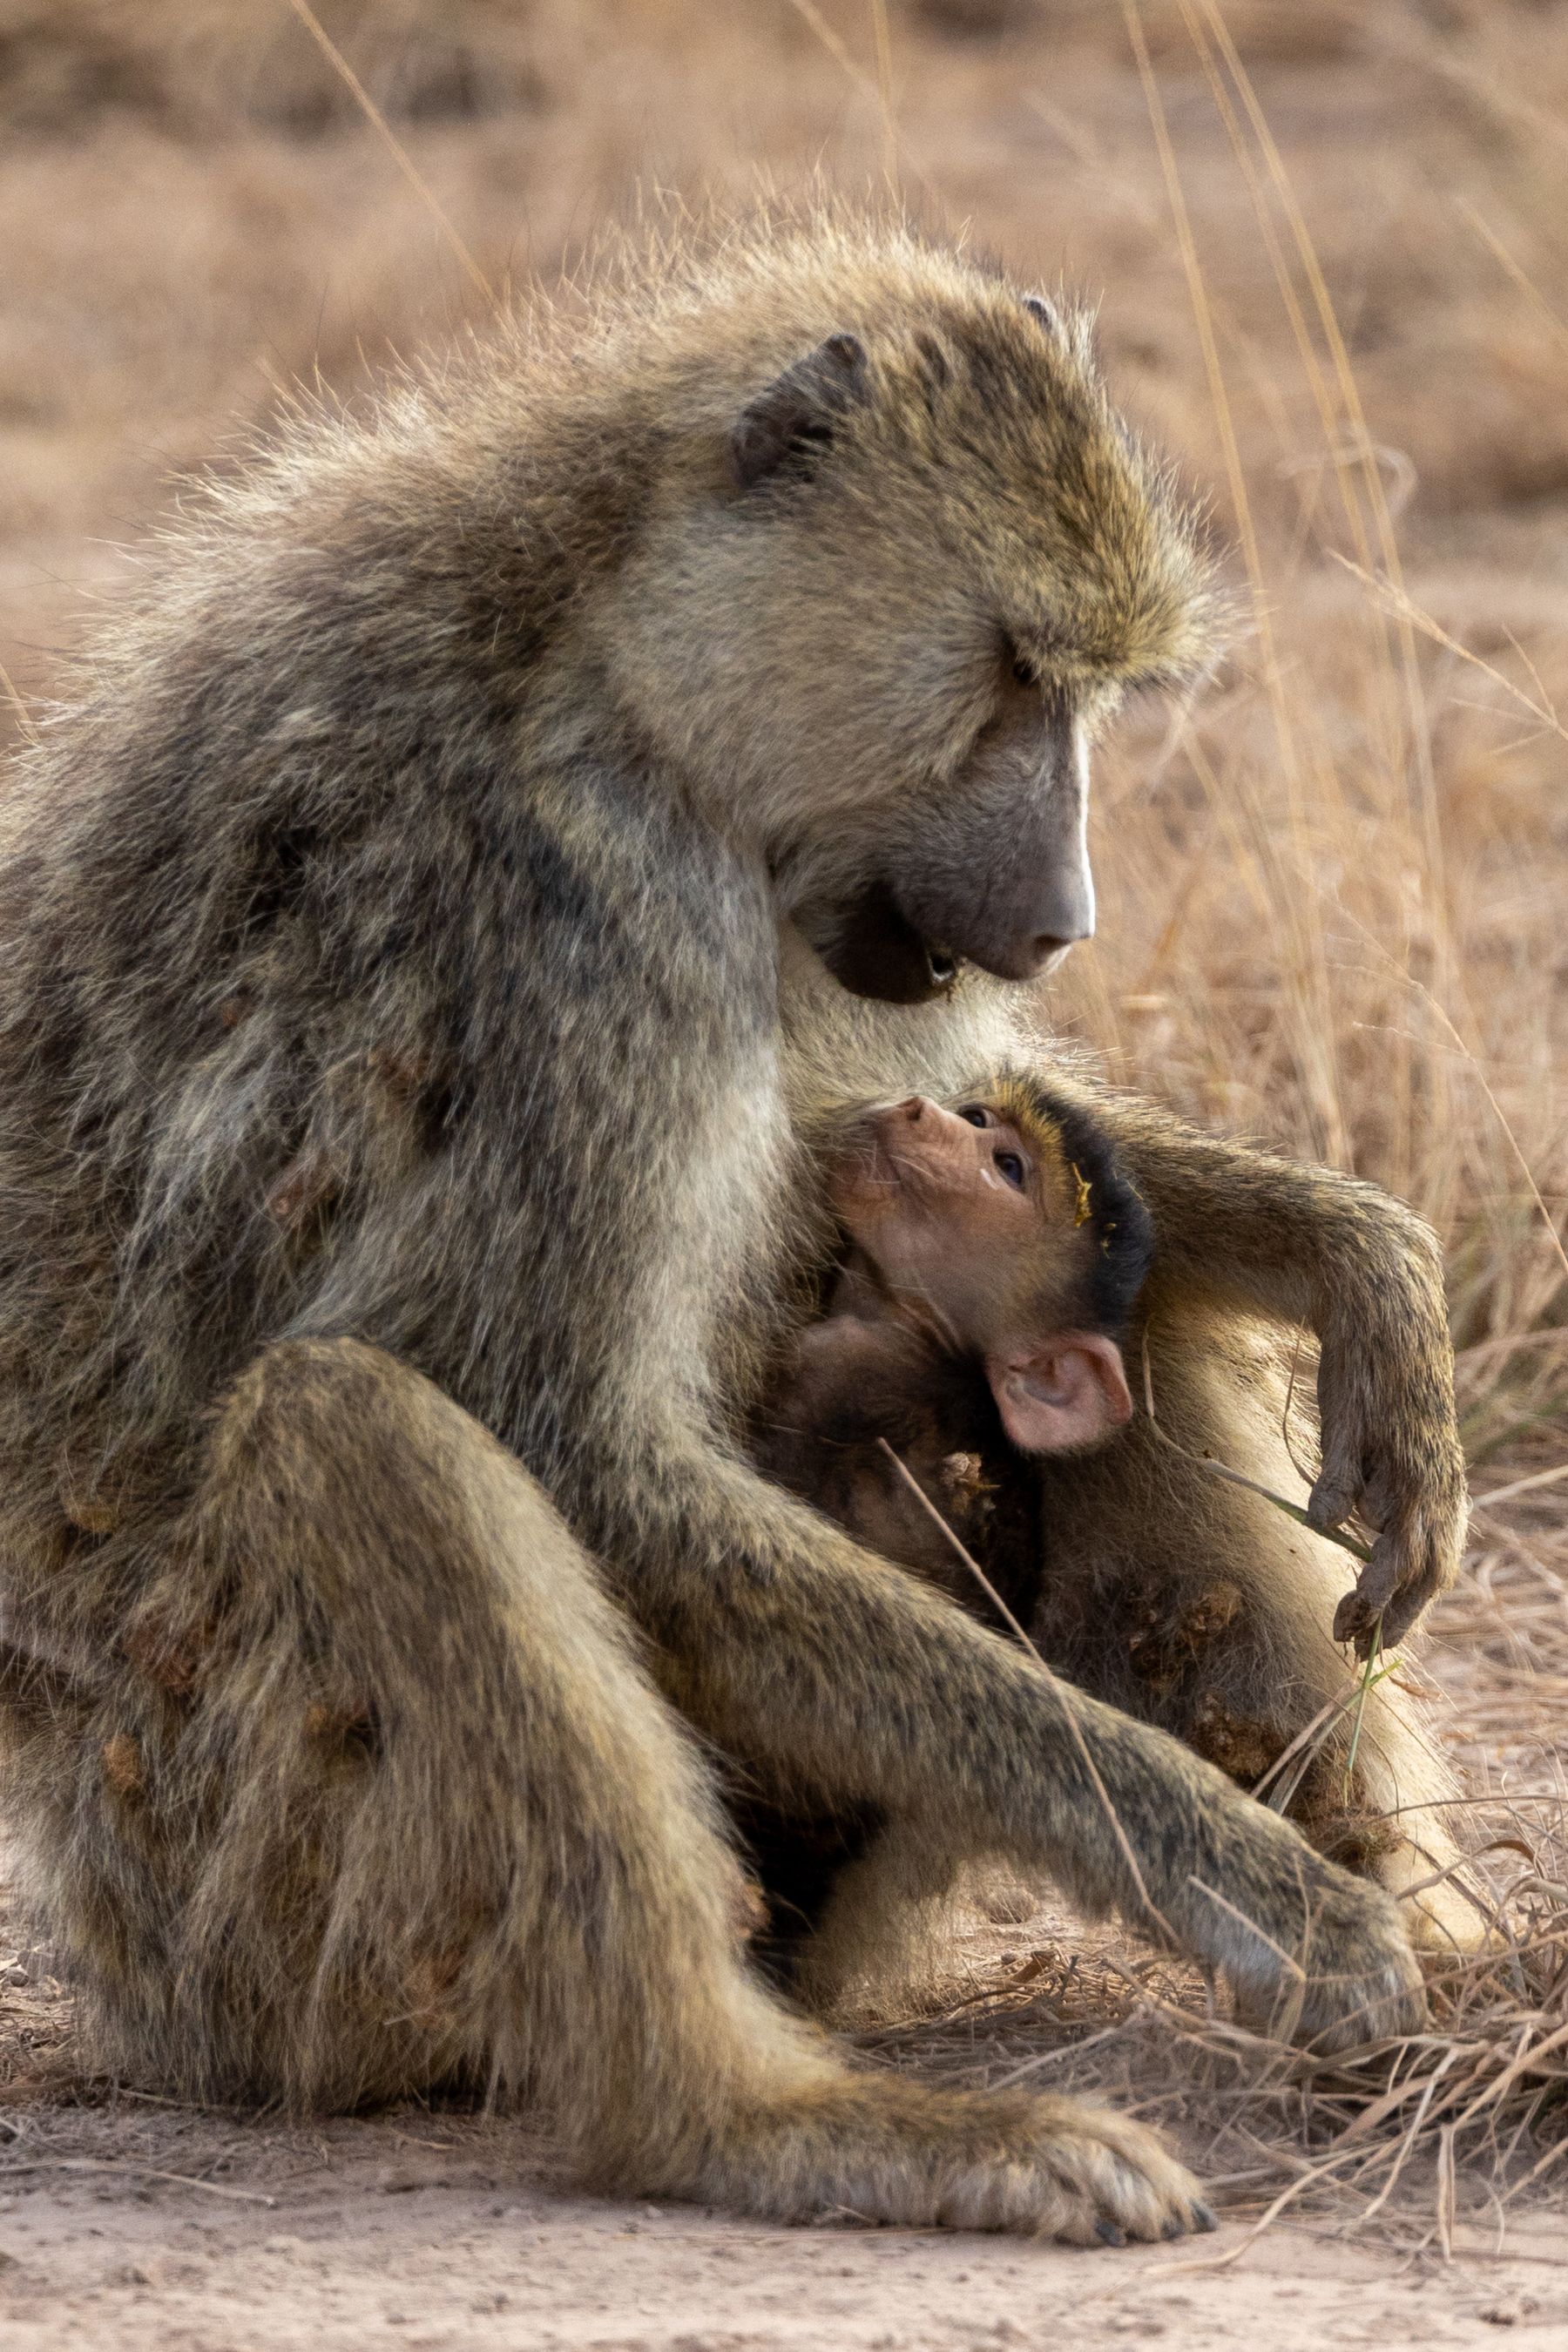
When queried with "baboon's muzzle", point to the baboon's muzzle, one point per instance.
{"points": [[877, 951], [999, 877], [1021, 927]]}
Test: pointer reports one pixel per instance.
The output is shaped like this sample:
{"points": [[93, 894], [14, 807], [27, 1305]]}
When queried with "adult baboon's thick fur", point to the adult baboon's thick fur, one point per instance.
{"points": [[407, 1030]]}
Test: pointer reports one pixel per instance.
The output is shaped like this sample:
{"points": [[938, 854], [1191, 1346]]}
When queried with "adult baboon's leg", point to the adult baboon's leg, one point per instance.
{"points": [[1202, 1607], [425, 1814]]}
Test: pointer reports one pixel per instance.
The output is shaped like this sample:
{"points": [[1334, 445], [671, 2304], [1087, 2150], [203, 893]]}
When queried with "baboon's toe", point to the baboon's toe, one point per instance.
{"points": [[1380, 2006], [1446, 1918], [1358, 1979], [895, 2151], [1120, 2181]]}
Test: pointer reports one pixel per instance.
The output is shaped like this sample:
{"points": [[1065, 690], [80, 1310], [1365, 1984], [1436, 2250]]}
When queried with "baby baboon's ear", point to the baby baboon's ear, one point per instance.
{"points": [[1063, 1395], [797, 411]]}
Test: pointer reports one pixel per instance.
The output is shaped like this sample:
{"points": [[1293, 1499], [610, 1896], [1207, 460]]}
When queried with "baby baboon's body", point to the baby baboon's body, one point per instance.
{"points": [[896, 1416], [992, 1253], [409, 1034]]}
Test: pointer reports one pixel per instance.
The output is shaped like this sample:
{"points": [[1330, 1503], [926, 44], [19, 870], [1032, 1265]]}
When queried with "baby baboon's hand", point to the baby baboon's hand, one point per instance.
{"points": [[1391, 1446]]}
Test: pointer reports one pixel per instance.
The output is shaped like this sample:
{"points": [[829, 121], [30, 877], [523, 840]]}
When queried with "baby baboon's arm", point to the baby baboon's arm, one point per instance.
{"points": [[1361, 1270], [858, 1392]]}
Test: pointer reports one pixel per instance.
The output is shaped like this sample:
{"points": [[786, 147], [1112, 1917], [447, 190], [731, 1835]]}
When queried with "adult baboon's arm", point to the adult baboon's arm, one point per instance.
{"points": [[837, 1681], [1361, 1270]]}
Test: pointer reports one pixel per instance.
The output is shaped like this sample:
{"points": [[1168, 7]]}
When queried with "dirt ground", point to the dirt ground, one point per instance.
{"points": [[129, 2222], [418, 2235]]}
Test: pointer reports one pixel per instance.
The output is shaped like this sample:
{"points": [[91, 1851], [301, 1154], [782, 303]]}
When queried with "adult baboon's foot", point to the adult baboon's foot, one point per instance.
{"points": [[1447, 1912], [882, 2149]]}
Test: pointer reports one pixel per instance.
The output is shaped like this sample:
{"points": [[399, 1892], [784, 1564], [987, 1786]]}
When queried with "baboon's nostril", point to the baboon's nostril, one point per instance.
{"points": [[1049, 951]]}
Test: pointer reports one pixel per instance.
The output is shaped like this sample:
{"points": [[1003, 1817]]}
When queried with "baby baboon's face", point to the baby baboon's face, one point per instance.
{"points": [[881, 621], [983, 1233]]}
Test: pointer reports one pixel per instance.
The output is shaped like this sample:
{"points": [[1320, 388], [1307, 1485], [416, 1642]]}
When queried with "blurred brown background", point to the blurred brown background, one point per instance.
{"points": [[1330, 238]]}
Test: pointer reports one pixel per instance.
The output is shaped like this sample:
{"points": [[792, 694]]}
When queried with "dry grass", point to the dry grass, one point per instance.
{"points": [[1334, 254], [1431, 2142]]}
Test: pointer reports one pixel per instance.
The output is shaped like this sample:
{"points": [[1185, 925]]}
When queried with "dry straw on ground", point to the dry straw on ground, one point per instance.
{"points": [[1332, 241]]}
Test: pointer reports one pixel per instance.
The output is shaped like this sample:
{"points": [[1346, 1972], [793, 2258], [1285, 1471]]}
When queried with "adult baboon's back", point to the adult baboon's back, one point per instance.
{"points": [[398, 1151]]}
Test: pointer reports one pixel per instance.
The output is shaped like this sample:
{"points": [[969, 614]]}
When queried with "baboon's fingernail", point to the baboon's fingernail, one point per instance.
{"points": [[1328, 1506], [1205, 2218], [1109, 2234]]}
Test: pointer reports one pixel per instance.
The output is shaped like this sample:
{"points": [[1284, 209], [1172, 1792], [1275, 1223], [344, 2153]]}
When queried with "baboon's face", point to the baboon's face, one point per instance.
{"points": [[993, 870], [882, 628], [967, 1211], [969, 1222]]}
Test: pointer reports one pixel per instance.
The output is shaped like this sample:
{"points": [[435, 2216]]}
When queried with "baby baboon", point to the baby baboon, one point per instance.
{"points": [[428, 945], [997, 1255], [995, 1251]]}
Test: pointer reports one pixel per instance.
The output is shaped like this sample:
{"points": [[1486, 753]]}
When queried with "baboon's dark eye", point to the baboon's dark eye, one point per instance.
{"points": [[1022, 674], [1012, 1168], [976, 1114]]}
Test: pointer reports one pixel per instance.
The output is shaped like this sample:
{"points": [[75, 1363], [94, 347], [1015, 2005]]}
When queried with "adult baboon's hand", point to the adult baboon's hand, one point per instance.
{"points": [[1363, 1272], [1391, 1453]]}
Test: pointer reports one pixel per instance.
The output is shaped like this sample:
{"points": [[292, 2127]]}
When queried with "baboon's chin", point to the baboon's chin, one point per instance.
{"points": [[874, 950]]}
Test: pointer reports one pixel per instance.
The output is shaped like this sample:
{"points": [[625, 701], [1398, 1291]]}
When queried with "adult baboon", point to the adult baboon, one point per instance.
{"points": [[430, 932]]}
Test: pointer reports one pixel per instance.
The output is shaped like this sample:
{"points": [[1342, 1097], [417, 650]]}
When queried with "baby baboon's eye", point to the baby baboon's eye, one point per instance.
{"points": [[1012, 1168], [976, 1114], [1023, 672]]}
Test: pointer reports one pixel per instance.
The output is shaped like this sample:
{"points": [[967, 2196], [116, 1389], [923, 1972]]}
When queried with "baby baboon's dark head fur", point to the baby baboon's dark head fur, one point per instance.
{"points": [[1114, 1219]]}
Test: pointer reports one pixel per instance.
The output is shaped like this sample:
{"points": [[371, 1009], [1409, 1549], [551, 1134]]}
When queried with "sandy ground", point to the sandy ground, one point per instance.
{"points": [[414, 2234], [130, 2222]]}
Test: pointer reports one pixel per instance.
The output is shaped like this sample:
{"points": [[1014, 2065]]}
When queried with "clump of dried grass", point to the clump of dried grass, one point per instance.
{"points": [[1456, 2127]]}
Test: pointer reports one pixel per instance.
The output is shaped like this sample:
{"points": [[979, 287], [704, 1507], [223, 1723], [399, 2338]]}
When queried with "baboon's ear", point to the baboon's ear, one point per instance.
{"points": [[1046, 312], [1063, 1395], [798, 410]]}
